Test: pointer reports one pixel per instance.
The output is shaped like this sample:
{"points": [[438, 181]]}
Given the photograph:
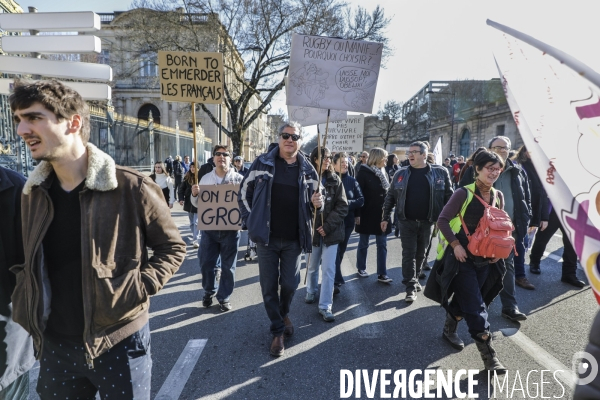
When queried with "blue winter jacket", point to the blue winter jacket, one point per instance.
{"points": [[255, 198]]}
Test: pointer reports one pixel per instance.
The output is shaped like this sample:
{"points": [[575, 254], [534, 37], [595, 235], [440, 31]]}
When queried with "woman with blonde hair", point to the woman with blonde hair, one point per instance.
{"points": [[374, 183], [162, 179]]}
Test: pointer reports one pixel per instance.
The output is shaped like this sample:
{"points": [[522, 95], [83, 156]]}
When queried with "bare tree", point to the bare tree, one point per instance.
{"points": [[389, 120], [256, 33]]}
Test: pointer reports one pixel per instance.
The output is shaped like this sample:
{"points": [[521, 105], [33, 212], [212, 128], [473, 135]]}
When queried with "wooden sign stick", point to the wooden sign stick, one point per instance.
{"points": [[196, 161]]}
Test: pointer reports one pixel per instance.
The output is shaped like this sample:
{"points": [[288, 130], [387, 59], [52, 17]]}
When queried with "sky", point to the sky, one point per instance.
{"points": [[441, 40]]}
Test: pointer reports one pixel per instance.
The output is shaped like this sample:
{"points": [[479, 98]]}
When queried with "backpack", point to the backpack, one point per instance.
{"points": [[493, 236]]}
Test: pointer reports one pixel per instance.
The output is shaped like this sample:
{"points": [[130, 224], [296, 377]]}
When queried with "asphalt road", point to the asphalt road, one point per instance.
{"points": [[375, 329]]}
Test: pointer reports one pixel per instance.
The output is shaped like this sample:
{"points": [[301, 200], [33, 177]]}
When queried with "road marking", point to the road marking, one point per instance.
{"points": [[541, 356], [230, 390], [553, 256], [358, 294], [179, 375]]}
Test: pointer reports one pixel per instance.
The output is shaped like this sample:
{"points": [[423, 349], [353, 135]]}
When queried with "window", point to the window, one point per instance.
{"points": [[499, 130], [148, 64], [104, 57]]}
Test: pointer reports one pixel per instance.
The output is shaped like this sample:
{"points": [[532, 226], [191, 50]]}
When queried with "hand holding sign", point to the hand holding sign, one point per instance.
{"points": [[218, 208]]}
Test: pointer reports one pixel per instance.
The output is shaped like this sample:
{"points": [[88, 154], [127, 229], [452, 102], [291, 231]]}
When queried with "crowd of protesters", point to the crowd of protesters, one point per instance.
{"points": [[64, 265]]}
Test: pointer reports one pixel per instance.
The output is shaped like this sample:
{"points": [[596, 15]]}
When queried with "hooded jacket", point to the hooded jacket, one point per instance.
{"points": [[255, 198], [123, 213]]}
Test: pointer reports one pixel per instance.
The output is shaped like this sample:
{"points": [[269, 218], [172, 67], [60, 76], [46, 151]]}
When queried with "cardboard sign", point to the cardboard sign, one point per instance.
{"points": [[308, 116], [191, 77], [346, 135], [218, 208], [334, 74]]}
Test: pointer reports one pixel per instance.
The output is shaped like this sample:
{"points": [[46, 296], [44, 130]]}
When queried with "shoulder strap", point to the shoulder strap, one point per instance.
{"points": [[486, 205]]}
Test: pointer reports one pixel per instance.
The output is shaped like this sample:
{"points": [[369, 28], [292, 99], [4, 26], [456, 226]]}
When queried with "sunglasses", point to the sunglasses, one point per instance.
{"points": [[222, 153], [294, 137]]}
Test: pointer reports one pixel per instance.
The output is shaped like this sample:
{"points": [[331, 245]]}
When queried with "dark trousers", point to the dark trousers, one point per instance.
{"points": [[569, 266], [339, 278], [123, 372], [279, 270], [218, 247], [467, 301], [414, 236], [519, 259], [178, 180], [17, 390]]}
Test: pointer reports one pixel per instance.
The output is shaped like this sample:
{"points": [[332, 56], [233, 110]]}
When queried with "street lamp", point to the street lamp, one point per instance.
{"points": [[430, 92]]}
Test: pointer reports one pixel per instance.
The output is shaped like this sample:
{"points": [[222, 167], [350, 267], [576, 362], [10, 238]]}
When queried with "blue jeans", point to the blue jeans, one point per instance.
{"points": [[193, 217], [361, 253], [467, 301], [341, 250], [520, 259], [325, 256], [123, 372], [414, 236], [278, 266], [215, 244], [508, 295]]}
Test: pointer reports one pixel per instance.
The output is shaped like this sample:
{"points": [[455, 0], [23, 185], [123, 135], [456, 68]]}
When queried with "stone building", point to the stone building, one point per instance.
{"points": [[136, 89], [464, 114]]}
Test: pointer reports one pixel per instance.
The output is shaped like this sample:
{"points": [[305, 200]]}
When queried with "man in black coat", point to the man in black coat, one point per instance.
{"points": [[16, 348], [419, 193]]}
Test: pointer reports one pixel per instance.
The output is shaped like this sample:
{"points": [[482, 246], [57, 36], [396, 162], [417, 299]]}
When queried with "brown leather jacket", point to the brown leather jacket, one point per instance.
{"points": [[123, 213]]}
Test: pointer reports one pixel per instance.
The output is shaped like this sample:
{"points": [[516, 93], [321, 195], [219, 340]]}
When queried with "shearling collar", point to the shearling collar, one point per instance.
{"points": [[101, 174]]}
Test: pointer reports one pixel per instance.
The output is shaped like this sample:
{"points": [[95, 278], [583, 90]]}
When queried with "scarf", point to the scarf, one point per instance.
{"points": [[385, 183]]}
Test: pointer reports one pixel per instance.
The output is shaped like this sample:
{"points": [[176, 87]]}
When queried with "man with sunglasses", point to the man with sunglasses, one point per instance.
{"points": [[238, 163], [514, 185], [277, 199], [419, 193], [215, 245], [362, 159]]}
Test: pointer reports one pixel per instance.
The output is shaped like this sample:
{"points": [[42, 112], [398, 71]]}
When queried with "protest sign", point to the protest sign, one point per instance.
{"points": [[331, 73], [191, 77], [346, 135], [308, 116], [218, 208]]}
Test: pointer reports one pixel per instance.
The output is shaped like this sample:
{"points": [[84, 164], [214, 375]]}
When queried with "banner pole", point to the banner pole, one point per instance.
{"points": [[320, 173], [196, 162]]}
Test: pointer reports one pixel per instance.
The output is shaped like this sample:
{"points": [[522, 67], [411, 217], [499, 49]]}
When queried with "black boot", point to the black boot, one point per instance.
{"points": [[450, 334], [488, 354]]}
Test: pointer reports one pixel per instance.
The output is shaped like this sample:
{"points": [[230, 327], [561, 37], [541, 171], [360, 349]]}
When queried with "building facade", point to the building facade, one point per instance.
{"points": [[465, 114]]}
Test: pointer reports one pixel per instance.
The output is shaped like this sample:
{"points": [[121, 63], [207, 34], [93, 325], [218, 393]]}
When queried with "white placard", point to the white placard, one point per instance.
{"points": [[60, 69], [308, 116], [331, 73], [86, 21], [89, 91], [51, 44], [346, 135]]}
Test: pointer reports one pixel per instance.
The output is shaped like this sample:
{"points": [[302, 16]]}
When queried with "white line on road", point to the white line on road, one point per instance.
{"points": [[179, 375], [553, 256], [230, 390], [540, 355]]}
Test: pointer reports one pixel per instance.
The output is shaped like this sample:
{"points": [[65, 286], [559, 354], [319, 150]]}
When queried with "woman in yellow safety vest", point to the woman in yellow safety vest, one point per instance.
{"points": [[472, 281]]}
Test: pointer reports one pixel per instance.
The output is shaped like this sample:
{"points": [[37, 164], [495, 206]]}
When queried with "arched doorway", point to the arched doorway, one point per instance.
{"points": [[144, 113], [465, 143]]}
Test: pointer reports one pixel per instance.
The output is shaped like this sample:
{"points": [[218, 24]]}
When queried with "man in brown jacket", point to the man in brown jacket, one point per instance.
{"points": [[83, 291]]}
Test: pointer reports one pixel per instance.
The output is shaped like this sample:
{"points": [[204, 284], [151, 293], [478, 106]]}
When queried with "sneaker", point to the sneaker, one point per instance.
{"points": [[327, 315], [195, 244], [336, 290], [384, 279], [422, 275], [207, 302], [418, 287], [310, 298], [410, 296], [225, 306], [252, 254], [362, 273]]}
